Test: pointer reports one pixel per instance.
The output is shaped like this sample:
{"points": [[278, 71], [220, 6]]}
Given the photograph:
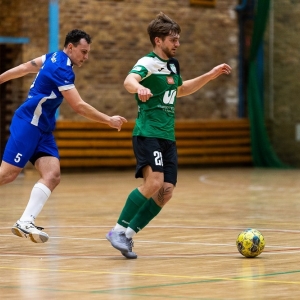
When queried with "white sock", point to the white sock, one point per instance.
{"points": [[39, 195], [119, 228], [129, 233]]}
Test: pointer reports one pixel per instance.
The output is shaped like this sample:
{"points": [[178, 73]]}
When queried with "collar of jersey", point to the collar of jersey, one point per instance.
{"points": [[164, 60], [68, 58]]}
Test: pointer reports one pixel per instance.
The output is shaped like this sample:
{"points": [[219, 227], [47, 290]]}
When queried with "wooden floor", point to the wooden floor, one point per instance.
{"points": [[187, 252]]}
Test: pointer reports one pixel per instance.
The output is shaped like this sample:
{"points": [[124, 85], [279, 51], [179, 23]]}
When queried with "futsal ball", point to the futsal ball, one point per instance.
{"points": [[250, 242]]}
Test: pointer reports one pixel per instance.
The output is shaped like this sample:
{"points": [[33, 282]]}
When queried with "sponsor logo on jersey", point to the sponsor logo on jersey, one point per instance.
{"points": [[159, 70], [170, 80], [53, 57], [137, 68]]}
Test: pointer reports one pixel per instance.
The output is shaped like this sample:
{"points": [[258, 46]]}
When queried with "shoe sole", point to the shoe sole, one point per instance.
{"points": [[35, 238], [18, 232], [129, 256]]}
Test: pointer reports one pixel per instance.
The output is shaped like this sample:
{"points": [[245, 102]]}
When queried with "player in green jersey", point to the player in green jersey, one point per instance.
{"points": [[156, 82]]}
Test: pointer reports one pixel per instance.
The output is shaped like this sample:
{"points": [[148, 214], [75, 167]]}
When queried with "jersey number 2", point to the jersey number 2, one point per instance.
{"points": [[158, 158]]}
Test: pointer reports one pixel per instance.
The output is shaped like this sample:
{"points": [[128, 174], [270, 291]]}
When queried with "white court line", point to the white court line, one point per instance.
{"points": [[178, 227], [204, 179], [189, 256], [163, 242]]}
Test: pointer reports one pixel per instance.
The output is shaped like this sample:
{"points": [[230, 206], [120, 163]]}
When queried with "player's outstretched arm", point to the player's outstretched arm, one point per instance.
{"points": [[191, 86], [32, 66], [86, 110]]}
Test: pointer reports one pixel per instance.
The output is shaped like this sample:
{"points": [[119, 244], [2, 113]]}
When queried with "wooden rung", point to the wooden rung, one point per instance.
{"points": [[96, 153], [69, 125], [187, 160], [91, 143], [207, 124], [208, 3], [211, 151], [97, 162], [80, 134], [212, 142], [210, 134]]}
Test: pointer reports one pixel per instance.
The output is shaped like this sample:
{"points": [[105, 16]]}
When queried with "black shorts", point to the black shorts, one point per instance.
{"points": [[159, 154]]}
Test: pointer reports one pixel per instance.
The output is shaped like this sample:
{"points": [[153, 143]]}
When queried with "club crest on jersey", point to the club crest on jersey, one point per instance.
{"points": [[173, 68], [170, 80]]}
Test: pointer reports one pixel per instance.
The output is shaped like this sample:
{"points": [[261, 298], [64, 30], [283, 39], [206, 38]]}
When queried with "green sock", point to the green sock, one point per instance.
{"points": [[145, 214], [134, 202]]}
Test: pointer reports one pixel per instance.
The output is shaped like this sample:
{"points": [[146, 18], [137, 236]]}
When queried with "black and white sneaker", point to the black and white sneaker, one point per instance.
{"points": [[28, 229]]}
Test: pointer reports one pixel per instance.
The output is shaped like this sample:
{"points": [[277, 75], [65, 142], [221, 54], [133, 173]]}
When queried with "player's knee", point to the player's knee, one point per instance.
{"points": [[168, 196], [56, 178], [157, 183], [167, 193], [52, 179], [7, 178]]}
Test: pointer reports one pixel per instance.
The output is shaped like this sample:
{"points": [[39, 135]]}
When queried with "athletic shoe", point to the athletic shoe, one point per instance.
{"points": [[28, 229], [129, 255], [116, 239]]}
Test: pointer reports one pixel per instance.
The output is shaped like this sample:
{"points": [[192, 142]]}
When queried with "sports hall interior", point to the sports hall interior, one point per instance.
{"points": [[238, 150]]}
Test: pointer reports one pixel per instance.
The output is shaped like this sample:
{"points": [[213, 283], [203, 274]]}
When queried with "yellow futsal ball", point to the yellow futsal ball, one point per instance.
{"points": [[250, 243]]}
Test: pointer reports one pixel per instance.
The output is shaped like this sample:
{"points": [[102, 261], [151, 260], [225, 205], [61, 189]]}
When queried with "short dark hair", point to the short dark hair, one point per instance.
{"points": [[161, 27], [74, 37]]}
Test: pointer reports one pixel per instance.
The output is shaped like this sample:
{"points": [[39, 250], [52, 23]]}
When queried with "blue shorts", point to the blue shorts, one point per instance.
{"points": [[28, 143]]}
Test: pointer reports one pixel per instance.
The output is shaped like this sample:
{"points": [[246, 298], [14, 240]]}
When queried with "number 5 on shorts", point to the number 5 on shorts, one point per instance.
{"points": [[18, 157]]}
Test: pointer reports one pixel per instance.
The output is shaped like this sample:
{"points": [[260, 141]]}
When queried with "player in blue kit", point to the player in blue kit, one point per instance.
{"points": [[31, 137]]}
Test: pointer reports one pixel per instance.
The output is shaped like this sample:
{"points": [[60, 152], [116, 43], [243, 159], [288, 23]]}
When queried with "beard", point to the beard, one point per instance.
{"points": [[169, 53]]}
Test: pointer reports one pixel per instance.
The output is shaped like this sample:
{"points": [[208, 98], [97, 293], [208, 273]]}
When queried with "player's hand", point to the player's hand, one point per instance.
{"points": [[219, 70], [144, 94], [117, 122]]}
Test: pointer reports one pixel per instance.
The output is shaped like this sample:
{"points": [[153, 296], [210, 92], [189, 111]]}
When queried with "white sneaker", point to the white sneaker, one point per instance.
{"points": [[28, 229]]}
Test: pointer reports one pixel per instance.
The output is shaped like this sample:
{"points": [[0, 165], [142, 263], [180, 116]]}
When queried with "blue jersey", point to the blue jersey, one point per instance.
{"points": [[44, 97]]}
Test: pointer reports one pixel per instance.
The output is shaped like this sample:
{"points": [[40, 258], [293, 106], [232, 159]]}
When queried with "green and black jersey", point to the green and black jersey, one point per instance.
{"points": [[156, 117]]}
